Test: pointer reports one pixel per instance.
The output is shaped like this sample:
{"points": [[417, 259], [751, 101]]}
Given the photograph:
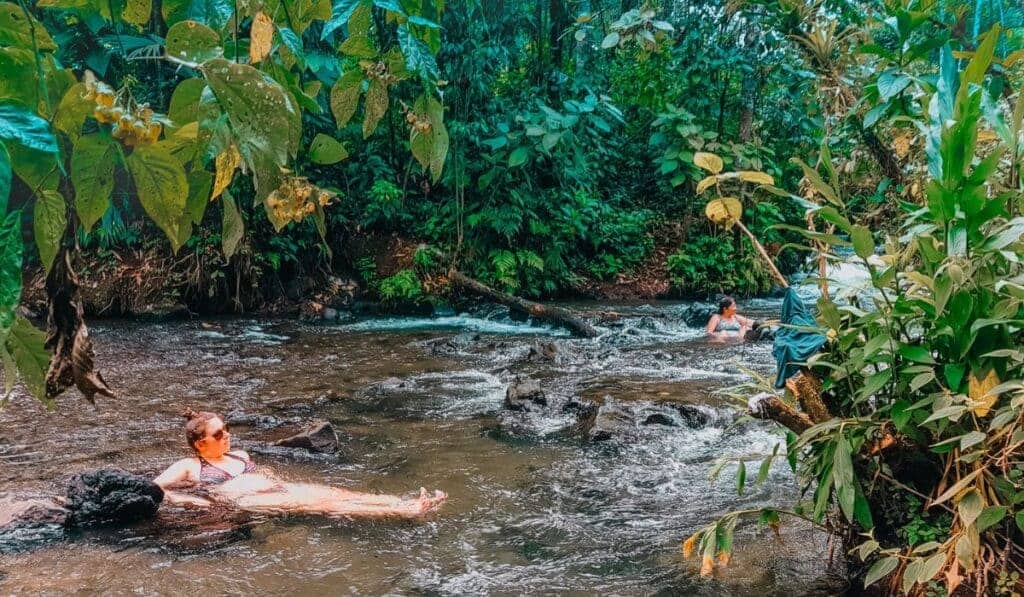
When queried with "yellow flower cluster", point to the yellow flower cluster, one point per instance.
{"points": [[297, 198], [377, 70], [421, 125], [134, 124]]}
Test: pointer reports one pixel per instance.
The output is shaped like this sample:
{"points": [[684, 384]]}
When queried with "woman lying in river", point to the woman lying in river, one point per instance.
{"points": [[227, 475], [727, 323]]}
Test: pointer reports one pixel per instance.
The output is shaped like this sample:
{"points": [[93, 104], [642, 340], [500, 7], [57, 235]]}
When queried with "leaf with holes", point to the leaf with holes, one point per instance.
{"points": [[376, 106], [260, 114], [193, 42], [161, 186], [345, 96], [92, 175], [137, 12]]}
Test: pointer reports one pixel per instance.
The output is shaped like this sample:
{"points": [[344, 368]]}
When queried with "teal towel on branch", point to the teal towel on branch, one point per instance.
{"points": [[794, 346]]}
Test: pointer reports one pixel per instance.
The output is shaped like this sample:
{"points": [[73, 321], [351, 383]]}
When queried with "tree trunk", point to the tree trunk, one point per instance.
{"points": [[748, 99], [558, 22], [885, 158], [556, 315]]}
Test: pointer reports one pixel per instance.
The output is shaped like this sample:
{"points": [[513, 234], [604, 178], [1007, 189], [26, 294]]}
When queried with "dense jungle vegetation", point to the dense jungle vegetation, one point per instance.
{"points": [[553, 149]]}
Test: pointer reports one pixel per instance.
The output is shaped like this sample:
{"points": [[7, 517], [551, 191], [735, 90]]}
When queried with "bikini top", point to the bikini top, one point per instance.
{"points": [[214, 475], [728, 326]]}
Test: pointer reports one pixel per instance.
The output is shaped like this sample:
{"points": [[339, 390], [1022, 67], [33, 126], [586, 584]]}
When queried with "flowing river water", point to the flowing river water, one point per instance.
{"points": [[419, 402]]}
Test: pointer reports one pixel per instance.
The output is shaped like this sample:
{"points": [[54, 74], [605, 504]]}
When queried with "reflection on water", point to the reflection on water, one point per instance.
{"points": [[531, 515]]}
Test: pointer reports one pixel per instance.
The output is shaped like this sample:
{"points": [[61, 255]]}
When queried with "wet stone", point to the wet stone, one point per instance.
{"points": [[111, 495], [659, 419], [525, 395], [320, 437], [698, 315]]}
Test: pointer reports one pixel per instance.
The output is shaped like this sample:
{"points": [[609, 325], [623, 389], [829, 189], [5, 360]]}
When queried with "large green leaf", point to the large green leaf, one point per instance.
{"points": [[26, 345], [137, 12], [418, 57], [232, 226], [200, 183], [260, 114], [376, 106], [340, 14], [92, 174], [184, 106], [212, 13], [326, 150], [16, 29], [161, 186], [345, 96], [72, 111], [11, 248], [19, 81], [193, 42], [49, 221], [430, 148], [20, 125], [5, 179], [863, 243]]}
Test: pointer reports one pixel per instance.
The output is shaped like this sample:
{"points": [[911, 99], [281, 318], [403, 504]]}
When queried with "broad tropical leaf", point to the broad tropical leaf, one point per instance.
{"points": [[326, 150], [25, 344], [20, 125], [708, 161], [193, 42], [232, 226], [376, 106], [49, 220], [261, 37], [162, 188], [92, 174], [345, 96], [11, 248]]}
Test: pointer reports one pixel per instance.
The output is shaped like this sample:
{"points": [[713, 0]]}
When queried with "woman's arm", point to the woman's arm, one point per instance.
{"points": [[713, 323], [176, 474]]}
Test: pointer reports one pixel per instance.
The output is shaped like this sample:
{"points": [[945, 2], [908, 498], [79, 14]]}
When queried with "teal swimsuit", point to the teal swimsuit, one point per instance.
{"points": [[728, 326]]}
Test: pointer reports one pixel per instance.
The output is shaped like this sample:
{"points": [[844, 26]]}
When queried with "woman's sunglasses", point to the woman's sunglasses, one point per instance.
{"points": [[219, 434]]}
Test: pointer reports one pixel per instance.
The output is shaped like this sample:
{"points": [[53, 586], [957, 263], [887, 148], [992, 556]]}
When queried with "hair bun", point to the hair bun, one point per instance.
{"points": [[189, 414]]}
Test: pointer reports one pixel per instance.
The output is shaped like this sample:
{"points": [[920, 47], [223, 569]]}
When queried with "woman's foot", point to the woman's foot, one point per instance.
{"points": [[428, 503]]}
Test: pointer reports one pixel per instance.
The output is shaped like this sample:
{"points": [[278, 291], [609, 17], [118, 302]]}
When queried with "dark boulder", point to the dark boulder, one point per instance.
{"points": [[660, 419], [111, 495], [692, 415], [320, 437], [698, 315], [525, 395], [543, 352]]}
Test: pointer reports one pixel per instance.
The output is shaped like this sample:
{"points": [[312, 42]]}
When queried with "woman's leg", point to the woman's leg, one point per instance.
{"points": [[308, 498]]}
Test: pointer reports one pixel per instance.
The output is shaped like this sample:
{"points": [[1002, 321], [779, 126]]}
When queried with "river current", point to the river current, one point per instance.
{"points": [[419, 402]]}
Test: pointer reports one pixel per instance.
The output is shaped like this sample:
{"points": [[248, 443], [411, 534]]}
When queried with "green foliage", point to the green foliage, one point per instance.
{"points": [[403, 286], [709, 265], [922, 372]]}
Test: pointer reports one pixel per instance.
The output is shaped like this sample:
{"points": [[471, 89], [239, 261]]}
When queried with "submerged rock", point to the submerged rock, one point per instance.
{"points": [[543, 352], [525, 396], [320, 437], [698, 315]]}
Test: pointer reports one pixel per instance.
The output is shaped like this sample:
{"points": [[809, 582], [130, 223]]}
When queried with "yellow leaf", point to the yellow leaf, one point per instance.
{"points": [[723, 558], [688, 545], [1012, 58], [902, 145], [225, 164], [189, 132], [979, 390], [261, 37], [707, 566], [987, 135], [706, 183], [724, 211], [756, 177], [708, 161]]}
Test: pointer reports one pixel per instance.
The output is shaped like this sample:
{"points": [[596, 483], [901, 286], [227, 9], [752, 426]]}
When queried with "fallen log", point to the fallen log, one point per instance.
{"points": [[555, 315]]}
